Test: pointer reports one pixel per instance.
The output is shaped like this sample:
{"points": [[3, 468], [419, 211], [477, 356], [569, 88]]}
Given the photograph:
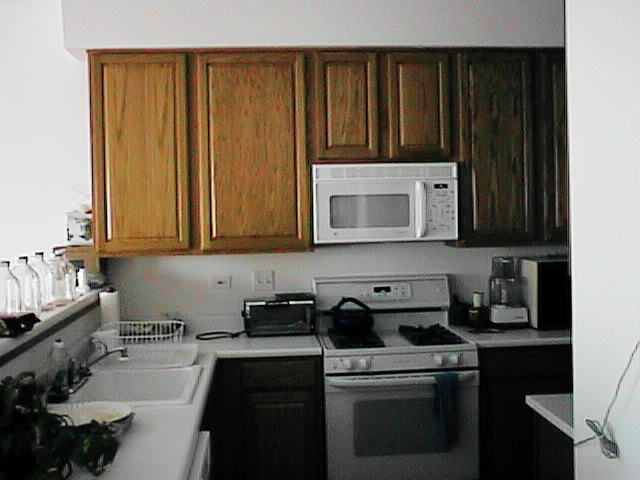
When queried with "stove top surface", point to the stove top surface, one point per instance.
{"points": [[432, 335], [342, 340], [402, 339]]}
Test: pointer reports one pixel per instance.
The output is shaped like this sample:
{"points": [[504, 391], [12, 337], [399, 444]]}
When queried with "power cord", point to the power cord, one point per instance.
{"points": [[215, 335], [608, 446]]}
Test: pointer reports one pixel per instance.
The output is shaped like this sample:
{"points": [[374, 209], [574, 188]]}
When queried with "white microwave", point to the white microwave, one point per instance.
{"points": [[385, 202]]}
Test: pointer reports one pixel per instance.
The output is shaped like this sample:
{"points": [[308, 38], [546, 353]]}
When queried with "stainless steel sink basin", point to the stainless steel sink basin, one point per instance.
{"points": [[157, 387]]}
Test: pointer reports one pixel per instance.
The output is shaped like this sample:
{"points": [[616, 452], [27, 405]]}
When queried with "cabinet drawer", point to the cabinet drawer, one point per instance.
{"points": [[526, 361], [278, 373]]}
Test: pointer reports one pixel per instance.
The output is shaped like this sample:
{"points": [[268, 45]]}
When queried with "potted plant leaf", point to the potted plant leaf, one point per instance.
{"points": [[38, 445]]}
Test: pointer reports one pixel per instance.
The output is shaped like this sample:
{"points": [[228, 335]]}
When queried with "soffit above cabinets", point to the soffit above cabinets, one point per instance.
{"points": [[120, 24]]}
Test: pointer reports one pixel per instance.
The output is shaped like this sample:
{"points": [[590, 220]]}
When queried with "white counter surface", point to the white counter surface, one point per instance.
{"points": [[48, 320], [520, 337], [557, 409], [160, 442], [252, 347]]}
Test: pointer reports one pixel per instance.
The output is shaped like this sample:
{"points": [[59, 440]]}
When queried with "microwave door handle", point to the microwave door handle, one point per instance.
{"points": [[421, 209]]}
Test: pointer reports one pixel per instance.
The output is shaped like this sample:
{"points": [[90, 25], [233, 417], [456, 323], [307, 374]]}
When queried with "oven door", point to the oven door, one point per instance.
{"points": [[394, 426], [369, 211]]}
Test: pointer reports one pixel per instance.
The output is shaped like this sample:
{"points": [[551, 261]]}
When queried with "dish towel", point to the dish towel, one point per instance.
{"points": [[445, 405]]}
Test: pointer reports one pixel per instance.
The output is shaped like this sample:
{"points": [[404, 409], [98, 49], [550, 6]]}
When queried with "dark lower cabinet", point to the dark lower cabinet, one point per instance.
{"points": [[553, 452], [507, 376], [267, 419]]}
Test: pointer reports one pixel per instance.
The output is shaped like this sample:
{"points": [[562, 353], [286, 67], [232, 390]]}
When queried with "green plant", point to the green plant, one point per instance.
{"points": [[38, 445]]}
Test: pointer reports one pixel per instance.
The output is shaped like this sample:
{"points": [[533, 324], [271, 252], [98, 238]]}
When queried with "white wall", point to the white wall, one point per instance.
{"points": [[44, 138], [44, 144], [150, 286], [603, 48], [223, 23]]}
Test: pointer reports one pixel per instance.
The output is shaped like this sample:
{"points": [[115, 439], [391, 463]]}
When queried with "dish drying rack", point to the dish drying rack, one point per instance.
{"points": [[137, 332]]}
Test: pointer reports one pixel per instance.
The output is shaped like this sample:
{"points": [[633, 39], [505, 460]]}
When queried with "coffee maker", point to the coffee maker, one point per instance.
{"points": [[505, 294]]}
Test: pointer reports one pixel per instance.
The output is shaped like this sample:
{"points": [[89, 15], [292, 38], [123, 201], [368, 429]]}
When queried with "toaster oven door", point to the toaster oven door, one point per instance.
{"points": [[286, 318]]}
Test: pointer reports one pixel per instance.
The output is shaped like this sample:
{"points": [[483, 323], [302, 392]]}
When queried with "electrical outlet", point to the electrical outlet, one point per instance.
{"points": [[219, 282], [263, 280]]}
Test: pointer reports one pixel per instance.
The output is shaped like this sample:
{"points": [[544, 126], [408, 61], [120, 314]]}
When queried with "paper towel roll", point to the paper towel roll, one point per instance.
{"points": [[110, 307]]}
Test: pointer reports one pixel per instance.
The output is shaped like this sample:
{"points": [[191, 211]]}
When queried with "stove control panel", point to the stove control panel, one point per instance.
{"points": [[385, 292], [349, 364], [413, 361]]}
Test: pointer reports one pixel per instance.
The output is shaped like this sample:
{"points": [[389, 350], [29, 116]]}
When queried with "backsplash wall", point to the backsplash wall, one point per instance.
{"points": [[150, 286]]}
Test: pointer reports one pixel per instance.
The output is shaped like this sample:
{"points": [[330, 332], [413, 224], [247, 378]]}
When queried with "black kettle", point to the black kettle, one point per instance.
{"points": [[351, 320]]}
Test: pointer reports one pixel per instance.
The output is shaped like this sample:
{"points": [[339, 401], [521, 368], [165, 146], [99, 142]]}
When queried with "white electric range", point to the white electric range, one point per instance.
{"points": [[394, 408]]}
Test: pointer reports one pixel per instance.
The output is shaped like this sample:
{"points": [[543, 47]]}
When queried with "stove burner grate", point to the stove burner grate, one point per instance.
{"points": [[368, 339], [433, 335]]}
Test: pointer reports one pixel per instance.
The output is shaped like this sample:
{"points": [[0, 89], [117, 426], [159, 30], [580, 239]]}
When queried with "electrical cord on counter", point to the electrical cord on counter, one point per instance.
{"points": [[608, 446], [216, 335]]}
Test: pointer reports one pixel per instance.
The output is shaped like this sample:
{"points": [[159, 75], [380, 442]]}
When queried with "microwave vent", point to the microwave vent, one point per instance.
{"points": [[385, 171], [441, 171]]}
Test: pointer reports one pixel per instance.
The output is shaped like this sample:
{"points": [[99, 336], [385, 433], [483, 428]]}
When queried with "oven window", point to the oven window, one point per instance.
{"points": [[398, 427], [369, 211]]}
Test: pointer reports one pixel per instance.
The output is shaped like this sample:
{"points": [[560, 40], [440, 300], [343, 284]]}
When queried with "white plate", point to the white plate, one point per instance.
{"points": [[85, 412]]}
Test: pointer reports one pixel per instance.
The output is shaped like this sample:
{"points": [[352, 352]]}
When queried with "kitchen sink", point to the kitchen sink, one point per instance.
{"points": [[142, 388], [142, 357]]}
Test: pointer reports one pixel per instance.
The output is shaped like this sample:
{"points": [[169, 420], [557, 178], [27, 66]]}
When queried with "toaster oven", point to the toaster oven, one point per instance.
{"points": [[280, 314]]}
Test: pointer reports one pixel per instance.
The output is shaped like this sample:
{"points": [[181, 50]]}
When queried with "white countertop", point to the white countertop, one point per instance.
{"points": [[48, 320], [520, 337], [160, 442], [252, 347], [557, 409]]}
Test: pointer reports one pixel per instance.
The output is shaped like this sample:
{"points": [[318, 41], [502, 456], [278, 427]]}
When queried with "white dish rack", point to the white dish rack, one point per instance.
{"points": [[140, 332]]}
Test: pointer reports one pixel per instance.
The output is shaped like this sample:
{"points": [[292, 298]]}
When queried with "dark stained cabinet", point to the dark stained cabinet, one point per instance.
{"points": [[418, 106], [552, 145], [507, 376], [553, 452], [347, 105], [496, 150], [267, 419]]}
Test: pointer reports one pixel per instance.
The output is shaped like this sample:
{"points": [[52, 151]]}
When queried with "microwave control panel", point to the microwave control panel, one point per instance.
{"points": [[441, 208]]}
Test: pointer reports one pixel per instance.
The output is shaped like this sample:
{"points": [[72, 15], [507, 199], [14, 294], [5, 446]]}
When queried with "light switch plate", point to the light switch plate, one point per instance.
{"points": [[263, 280]]}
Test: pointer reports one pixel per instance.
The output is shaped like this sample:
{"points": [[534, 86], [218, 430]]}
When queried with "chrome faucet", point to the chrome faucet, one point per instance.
{"points": [[124, 353], [82, 373]]}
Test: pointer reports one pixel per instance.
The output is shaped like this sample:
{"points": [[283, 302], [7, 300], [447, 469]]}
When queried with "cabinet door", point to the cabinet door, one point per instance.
{"points": [[555, 175], [281, 435], [140, 163], [253, 173], [267, 419], [418, 104], [507, 376], [346, 105], [507, 432], [496, 148]]}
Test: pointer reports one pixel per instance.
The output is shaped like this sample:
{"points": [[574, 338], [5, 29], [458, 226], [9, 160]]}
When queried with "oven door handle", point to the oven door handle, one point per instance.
{"points": [[354, 383]]}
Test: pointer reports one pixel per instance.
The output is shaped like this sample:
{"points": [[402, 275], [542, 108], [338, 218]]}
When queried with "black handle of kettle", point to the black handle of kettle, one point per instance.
{"points": [[355, 301]]}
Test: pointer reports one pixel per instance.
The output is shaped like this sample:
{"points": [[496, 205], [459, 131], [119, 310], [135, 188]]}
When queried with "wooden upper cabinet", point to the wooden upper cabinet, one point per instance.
{"points": [[418, 104], [346, 105], [496, 147], [253, 173], [554, 143], [140, 162]]}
